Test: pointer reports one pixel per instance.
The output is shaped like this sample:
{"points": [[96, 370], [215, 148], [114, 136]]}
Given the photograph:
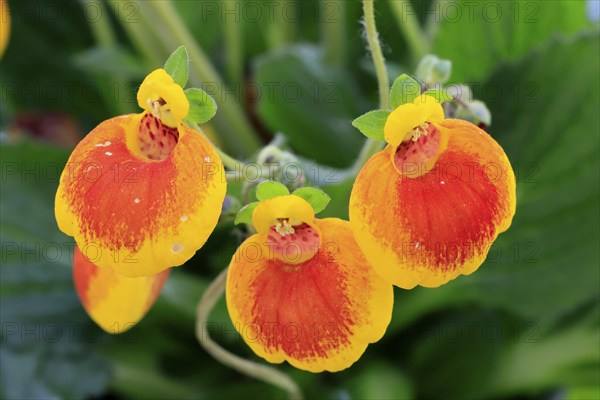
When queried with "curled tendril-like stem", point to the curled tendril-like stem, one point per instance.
{"points": [[255, 370]]}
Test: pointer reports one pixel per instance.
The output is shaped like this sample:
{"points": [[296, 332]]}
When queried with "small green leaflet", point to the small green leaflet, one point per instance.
{"points": [[202, 106], [269, 189], [317, 198], [244, 216], [404, 90], [371, 124], [177, 66], [440, 95]]}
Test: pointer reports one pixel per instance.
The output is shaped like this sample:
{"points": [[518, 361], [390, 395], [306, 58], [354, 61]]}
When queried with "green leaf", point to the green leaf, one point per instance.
{"points": [[404, 90], [177, 66], [54, 82], [372, 123], [381, 380], [269, 189], [440, 95], [202, 106], [46, 335], [245, 214], [112, 61], [311, 101], [478, 37], [317, 198]]}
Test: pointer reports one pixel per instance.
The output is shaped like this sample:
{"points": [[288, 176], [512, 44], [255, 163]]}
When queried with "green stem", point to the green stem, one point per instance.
{"points": [[105, 38], [255, 370], [377, 55], [432, 23], [371, 146], [234, 50], [232, 123], [228, 161], [101, 29], [333, 30], [281, 31], [406, 18], [140, 34]]}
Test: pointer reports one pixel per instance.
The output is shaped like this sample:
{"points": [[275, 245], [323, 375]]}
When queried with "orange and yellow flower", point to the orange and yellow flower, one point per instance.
{"points": [[300, 289], [144, 190], [115, 302], [428, 207]]}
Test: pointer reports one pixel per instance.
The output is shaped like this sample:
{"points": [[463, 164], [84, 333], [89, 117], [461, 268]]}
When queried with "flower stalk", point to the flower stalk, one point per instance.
{"points": [[372, 146], [211, 295]]}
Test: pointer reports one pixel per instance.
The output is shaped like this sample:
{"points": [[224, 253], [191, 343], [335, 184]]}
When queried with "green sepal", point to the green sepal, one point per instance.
{"points": [[268, 189], [440, 95], [177, 66], [372, 123], [317, 198], [404, 90], [202, 106], [244, 216]]}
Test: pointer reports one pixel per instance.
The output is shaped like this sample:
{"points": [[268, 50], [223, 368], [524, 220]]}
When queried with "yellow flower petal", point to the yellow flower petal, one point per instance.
{"points": [[159, 85], [291, 207], [115, 302], [407, 117]]}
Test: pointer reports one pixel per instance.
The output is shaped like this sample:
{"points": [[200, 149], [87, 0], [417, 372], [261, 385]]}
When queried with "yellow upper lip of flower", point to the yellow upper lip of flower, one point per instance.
{"points": [[162, 97], [271, 212], [404, 119]]}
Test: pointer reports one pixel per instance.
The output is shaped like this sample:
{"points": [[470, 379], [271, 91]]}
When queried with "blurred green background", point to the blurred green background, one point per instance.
{"points": [[525, 326]]}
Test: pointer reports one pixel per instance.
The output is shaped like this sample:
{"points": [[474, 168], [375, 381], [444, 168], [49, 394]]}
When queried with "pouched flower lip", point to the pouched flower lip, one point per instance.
{"points": [[115, 302], [428, 207], [143, 189], [318, 314]]}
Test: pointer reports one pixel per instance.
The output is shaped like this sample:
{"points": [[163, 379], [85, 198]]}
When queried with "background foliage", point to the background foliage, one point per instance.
{"points": [[526, 325]]}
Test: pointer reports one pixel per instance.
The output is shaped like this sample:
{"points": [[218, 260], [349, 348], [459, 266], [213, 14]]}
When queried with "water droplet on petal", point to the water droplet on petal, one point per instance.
{"points": [[176, 248]]}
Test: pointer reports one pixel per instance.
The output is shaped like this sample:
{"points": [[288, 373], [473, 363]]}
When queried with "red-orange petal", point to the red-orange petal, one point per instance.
{"points": [[140, 216], [430, 229], [115, 302], [319, 315]]}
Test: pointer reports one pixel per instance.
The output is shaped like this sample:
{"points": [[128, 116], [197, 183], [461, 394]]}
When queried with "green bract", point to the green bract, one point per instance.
{"points": [[404, 90], [177, 66], [269, 189], [371, 124], [244, 216], [317, 198], [202, 106], [440, 95], [266, 190]]}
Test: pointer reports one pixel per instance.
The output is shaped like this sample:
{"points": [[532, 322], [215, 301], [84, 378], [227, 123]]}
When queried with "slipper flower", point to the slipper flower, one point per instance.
{"points": [[115, 302], [428, 207], [144, 189], [300, 289]]}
